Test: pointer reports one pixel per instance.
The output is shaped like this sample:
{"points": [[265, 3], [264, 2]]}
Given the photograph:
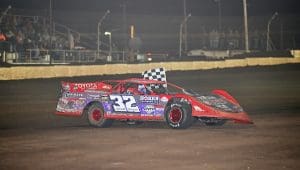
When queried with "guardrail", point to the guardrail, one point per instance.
{"points": [[40, 56]]}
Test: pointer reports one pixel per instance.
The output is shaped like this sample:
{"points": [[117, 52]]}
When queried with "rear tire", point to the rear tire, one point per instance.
{"points": [[179, 116], [95, 116]]}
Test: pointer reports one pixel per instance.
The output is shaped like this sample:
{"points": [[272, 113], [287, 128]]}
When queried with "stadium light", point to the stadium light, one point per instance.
{"points": [[268, 30], [107, 33], [246, 26], [99, 31], [110, 47], [180, 33], [219, 15], [4, 13]]}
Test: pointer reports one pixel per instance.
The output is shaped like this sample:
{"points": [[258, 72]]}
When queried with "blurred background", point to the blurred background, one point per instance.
{"points": [[101, 31]]}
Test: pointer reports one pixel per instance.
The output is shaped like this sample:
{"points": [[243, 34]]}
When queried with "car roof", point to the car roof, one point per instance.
{"points": [[137, 80], [144, 81]]}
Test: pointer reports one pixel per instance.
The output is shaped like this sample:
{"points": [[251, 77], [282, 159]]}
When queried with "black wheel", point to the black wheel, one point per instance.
{"points": [[214, 121], [179, 115], [95, 116]]}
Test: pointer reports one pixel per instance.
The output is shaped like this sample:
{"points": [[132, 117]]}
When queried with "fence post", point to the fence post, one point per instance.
{"points": [[64, 56], [29, 55], [48, 55], [123, 56]]}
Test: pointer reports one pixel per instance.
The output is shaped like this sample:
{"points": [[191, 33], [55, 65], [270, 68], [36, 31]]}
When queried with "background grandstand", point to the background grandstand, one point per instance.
{"points": [[73, 37]]}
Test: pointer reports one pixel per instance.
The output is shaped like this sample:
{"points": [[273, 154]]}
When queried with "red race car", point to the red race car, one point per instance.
{"points": [[147, 99]]}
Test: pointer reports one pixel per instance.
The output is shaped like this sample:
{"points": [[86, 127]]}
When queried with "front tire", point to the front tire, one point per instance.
{"points": [[95, 116], [179, 116]]}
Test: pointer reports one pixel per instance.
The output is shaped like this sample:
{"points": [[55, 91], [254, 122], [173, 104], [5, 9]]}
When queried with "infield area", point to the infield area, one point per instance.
{"points": [[32, 137]]}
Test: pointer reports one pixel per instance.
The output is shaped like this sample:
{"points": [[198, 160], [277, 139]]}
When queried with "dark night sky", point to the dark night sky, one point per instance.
{"points": [[164, 7]]}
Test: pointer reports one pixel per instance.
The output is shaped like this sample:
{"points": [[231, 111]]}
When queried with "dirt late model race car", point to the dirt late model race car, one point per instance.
{"points": [[140, 99]]}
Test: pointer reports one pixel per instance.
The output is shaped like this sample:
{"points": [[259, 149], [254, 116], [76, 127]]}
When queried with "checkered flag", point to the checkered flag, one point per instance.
{"points": [[156, 74]]}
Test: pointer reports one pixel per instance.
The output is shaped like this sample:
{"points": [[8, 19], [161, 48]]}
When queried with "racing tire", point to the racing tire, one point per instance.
{"points": [[179, 115], [95, 116]]}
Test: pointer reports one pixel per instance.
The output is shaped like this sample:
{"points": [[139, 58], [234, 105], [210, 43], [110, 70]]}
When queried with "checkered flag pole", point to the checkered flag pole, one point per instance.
{"points": [[155, 74]]}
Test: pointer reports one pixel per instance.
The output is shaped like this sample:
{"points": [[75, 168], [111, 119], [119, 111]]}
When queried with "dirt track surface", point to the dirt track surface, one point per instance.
{"points": [[31, 137]]}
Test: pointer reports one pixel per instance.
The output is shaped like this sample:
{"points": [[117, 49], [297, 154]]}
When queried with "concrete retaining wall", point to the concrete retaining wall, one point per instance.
{"points": [[31, 72]]}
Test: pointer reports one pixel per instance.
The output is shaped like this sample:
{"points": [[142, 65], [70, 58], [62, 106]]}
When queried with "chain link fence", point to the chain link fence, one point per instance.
{"points": [[39, 56]]}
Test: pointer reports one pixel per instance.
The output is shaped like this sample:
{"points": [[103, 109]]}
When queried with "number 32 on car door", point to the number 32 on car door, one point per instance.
{"points": [[124, 103]]}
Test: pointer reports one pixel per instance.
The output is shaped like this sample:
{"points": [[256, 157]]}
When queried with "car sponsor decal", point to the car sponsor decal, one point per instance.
{"points": [[82, 86], [104, 98], [73, 95], [149, 99], [124, 103], [164, 99], [149, 109], [93, 96], [70, 105]]}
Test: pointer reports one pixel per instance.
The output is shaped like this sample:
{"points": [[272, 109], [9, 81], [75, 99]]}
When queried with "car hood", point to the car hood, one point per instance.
{"points": [[216, 101]]}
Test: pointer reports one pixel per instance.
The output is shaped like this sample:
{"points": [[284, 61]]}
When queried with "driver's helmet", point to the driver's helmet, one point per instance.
{"points": [[142, 89]]}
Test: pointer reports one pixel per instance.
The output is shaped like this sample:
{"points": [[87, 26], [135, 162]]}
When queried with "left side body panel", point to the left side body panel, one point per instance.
{"points": [[75, 97], [73, 103], [128, 106]]}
